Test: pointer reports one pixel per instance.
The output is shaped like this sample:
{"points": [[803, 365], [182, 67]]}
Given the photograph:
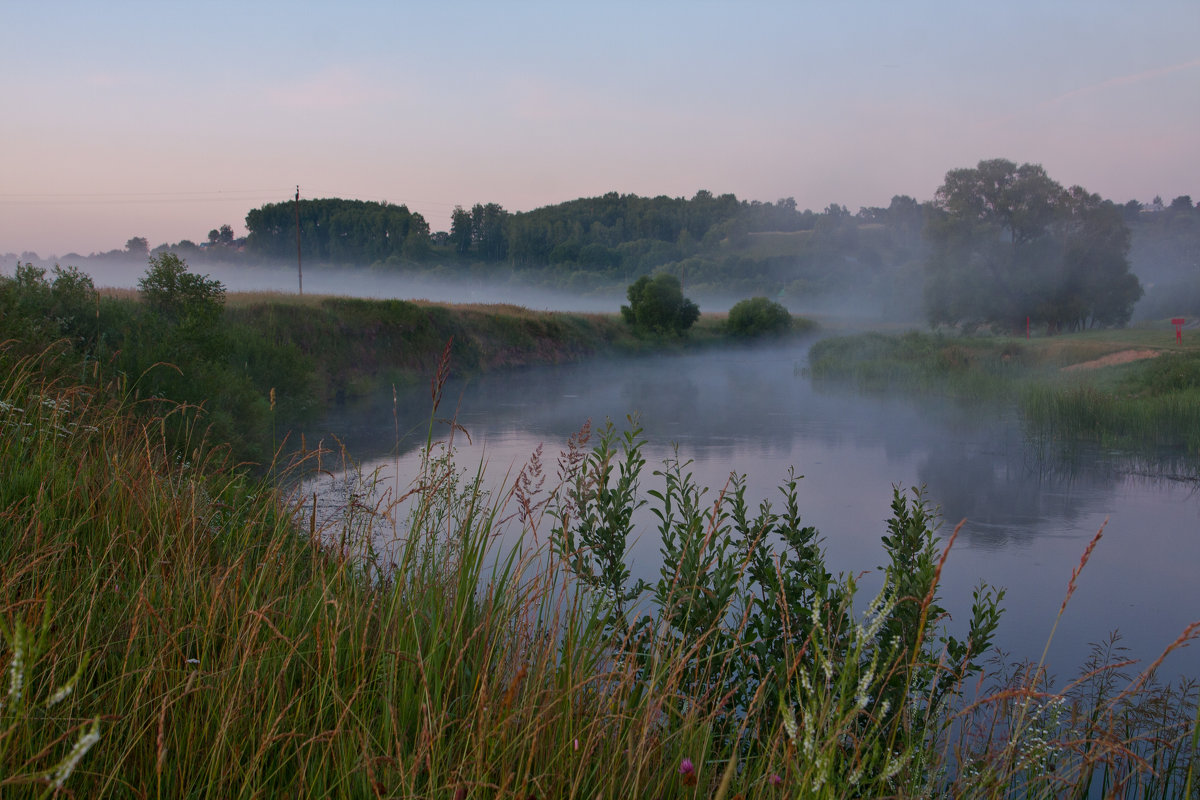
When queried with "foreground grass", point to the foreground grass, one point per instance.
{"points": [[1151, 402], [220, 654], [169, 628]]}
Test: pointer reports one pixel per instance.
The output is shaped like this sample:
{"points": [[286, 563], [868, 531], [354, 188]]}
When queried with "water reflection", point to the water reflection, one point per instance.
{"points": [[1031, 507]]}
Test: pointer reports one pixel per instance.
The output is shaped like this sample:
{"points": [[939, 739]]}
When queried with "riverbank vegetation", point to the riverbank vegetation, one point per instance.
{"points": [[1136, 389], [171, 627], [246, 367]]}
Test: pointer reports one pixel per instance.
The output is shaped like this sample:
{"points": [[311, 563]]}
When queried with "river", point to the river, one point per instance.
{"points": [[1030, 509]]}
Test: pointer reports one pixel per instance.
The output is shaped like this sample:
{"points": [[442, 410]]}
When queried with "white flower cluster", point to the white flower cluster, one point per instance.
{"points": [[87, 738]]}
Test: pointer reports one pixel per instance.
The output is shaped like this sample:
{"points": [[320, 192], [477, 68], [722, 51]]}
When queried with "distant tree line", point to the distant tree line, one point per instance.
{"points": [[337, 231], [999, 243]]}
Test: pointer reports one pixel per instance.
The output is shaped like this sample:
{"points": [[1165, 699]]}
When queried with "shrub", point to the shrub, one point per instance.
{"points": [[657, 305], [38, 310], [178, 295], [758, 316]]}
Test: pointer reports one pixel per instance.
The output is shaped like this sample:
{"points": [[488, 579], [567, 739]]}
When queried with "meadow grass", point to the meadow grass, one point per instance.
{"points": [[170, 627], [1149, 403]]}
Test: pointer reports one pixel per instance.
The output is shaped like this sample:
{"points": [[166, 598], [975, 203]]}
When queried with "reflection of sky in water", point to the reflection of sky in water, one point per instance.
{"points": [[1029, 513]]}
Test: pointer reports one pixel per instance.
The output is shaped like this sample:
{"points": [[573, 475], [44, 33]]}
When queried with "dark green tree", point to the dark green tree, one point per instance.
{"points": [[331, 230], [488, 231], [461, 232], [657, 305], [221, 237], [138, 247], [1008, 244], [758, 316]]}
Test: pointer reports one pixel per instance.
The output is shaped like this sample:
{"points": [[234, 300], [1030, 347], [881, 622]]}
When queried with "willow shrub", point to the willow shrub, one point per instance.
{"points": [[746, 622]]}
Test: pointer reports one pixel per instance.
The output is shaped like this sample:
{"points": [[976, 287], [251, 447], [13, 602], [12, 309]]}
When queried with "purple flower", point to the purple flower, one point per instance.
{"points": [[775, 780], [688, 770]]}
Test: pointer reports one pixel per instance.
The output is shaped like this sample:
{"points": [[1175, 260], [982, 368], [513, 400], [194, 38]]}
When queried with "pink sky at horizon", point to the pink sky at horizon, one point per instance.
{"points": [[139, 119]]}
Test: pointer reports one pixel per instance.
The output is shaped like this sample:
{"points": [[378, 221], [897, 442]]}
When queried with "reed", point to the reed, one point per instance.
{"points": [[1156, 407], [1149, 404]]}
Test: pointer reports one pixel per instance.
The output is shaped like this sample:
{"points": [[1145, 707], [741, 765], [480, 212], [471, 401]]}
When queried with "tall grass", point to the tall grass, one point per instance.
{"points": [[971, 369], [1171, 420], [1155, 405], [173, 628], [1146, 405]]}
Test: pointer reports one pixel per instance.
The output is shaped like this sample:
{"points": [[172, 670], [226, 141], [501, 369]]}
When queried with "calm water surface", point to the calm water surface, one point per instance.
{"points": [[1030, 510]]}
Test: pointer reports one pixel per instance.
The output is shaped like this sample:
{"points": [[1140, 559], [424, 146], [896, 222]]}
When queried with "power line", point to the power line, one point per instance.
{"points": [[133, 198]]}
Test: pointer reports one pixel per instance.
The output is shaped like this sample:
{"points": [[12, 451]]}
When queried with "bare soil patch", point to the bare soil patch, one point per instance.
{"points": [[1112, 359]]}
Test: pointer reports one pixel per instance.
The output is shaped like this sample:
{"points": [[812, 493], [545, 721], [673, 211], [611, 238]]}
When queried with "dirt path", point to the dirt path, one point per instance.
{"points": [[1123, 357]]}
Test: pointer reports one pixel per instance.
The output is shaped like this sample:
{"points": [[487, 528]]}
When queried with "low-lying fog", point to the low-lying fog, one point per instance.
{"points": [[464, 289], [369, 283], [1030, 509]]}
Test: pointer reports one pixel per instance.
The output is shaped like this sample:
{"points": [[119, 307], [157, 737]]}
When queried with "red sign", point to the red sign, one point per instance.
{"points": [[1178, 323]]}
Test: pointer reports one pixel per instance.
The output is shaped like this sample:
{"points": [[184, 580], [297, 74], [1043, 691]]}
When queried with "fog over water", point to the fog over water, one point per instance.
{"points": [[456, 287], [373, 284], [1030, 509]]}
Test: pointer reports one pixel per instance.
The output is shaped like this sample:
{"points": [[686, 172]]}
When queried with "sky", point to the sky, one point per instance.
{"points": [[167, 119]]}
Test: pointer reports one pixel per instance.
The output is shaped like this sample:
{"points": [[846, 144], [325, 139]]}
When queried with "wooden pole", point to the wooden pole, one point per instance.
{"points": [[299, 269]]}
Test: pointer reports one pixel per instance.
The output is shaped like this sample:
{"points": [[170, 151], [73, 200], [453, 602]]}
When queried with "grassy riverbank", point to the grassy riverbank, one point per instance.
{"points": [[170, 627], [351, 344], [1130, 388], [246, 367]]}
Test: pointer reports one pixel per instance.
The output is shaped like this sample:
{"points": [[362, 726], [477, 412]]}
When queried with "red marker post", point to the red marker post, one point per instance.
{"points": [[1178, 323]]}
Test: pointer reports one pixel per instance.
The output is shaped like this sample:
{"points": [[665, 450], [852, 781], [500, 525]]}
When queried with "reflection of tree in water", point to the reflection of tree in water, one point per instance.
{"points": [[1010, 489], [975, 460]]}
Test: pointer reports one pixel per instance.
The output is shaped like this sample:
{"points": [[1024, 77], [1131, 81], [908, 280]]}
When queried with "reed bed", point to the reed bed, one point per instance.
{"points": [[1155, 404], [1147, 405], [170, 627]]}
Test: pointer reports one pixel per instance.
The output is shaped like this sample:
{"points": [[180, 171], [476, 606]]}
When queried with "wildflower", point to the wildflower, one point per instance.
{"points": [[789, 723], [16, 667], [688, 771], [65, 690], [775, 779], [62, 694], [860, 695], [67, 765]]}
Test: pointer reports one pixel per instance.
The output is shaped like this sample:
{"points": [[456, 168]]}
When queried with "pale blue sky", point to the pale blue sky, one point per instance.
{"points": [[166, 119]]}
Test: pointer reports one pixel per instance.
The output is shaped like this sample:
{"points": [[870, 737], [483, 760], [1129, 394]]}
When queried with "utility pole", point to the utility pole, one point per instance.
{"points": [[299, 269]]}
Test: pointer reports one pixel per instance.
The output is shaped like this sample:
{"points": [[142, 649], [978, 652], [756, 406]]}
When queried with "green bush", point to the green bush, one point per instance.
{"points": [[38, 310], [178, 295], [657, 305], [758, 316]]}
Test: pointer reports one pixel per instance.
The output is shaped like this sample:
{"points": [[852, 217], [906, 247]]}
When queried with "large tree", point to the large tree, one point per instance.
{"points": [[1009, 244], [657, 305], [460, 230], [331, 230]]}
